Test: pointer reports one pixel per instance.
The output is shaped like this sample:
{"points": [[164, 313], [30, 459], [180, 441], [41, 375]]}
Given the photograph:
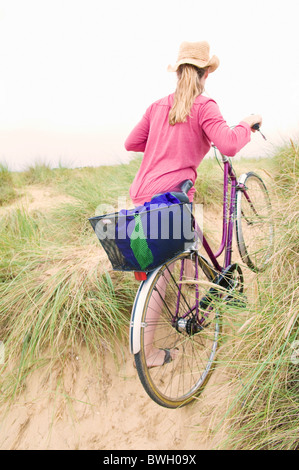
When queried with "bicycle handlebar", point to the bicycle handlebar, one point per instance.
{"points": [[256, 127]]}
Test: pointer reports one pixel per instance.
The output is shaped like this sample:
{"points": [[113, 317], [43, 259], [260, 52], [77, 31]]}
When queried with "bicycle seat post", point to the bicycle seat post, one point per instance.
{"points": [[186, 186], [224, 158]]}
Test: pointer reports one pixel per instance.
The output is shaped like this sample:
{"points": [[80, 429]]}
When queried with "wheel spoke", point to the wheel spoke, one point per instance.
{"points": [[254, 223], [171, 298]]}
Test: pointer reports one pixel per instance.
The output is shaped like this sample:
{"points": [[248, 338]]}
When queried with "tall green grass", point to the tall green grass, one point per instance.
{"points": [[264, 355], [57, 290], [7, 191], [39, 173]]}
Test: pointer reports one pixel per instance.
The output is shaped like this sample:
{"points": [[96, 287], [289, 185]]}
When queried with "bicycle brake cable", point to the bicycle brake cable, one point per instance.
{"points": [[216, 156]]}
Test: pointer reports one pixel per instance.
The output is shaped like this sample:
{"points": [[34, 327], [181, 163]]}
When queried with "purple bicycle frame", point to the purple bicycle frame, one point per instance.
{"points": [[228, 220], [227, 236]]}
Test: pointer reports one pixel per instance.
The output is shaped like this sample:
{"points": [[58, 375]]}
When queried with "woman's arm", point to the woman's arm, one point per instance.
{"points": [[228, 141], [136, 141]]}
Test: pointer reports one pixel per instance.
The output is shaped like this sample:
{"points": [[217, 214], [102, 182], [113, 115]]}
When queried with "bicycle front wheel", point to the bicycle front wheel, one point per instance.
{"points": [[254, 226], [179, 334]]}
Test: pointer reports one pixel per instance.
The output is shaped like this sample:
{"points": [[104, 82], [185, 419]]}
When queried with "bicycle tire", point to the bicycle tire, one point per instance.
{"points": [[254, 225], [178, 382]]}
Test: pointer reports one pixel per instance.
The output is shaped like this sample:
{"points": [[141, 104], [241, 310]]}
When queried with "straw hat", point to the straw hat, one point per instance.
{"points": [[195, 53]]}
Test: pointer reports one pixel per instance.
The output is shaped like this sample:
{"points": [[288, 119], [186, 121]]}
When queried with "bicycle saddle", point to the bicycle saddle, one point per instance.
{"points": [[185, 186]]}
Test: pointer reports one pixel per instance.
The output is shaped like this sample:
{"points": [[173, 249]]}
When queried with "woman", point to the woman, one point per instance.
{"points": [[176, 132]]}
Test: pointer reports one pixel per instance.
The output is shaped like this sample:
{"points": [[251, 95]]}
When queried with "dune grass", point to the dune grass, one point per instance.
{"points": [[264, 352], [57, 292], [7, 191]]}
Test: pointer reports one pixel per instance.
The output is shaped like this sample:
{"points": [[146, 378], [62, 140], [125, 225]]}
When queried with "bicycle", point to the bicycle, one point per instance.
{"points": [[176, 312]]}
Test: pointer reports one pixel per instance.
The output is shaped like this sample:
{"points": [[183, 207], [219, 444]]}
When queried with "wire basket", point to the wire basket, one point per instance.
{"points": [[143, 239]]}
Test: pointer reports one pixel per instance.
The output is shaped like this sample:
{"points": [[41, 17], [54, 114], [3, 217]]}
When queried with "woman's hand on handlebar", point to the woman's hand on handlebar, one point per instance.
{"points": [[252, 120]]}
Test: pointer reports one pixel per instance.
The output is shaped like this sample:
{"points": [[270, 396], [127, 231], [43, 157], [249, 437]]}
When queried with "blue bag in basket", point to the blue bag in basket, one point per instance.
{"points": [[149, 235]]}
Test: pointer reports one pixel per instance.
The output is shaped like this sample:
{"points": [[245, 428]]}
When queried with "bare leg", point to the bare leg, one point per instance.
{"points": [[189, 270], [154, 355]]}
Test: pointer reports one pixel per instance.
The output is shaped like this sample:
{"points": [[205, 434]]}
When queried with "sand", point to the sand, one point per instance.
{"points": [[102, 406]]}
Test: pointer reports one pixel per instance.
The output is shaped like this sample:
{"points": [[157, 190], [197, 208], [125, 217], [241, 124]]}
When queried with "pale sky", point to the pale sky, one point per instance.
{"points": [[77, 75]]}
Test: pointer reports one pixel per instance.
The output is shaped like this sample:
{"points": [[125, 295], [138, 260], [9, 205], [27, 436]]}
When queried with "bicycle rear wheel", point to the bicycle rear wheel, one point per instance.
{"points": [[254, 226], [173, 320]]}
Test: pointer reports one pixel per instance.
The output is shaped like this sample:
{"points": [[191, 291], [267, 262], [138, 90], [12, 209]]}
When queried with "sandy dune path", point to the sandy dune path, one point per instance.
{"points": [[85, 406]]}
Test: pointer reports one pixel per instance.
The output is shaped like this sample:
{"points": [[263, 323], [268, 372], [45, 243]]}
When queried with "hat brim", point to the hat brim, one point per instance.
{"points": [[213, 64]]}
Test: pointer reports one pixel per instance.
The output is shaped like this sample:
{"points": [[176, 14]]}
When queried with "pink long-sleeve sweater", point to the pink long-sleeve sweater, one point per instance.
{"points": [[173, 153]]}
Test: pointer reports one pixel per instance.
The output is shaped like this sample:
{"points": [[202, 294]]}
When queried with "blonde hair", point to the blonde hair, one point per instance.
{"points": [[189, 86]]}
